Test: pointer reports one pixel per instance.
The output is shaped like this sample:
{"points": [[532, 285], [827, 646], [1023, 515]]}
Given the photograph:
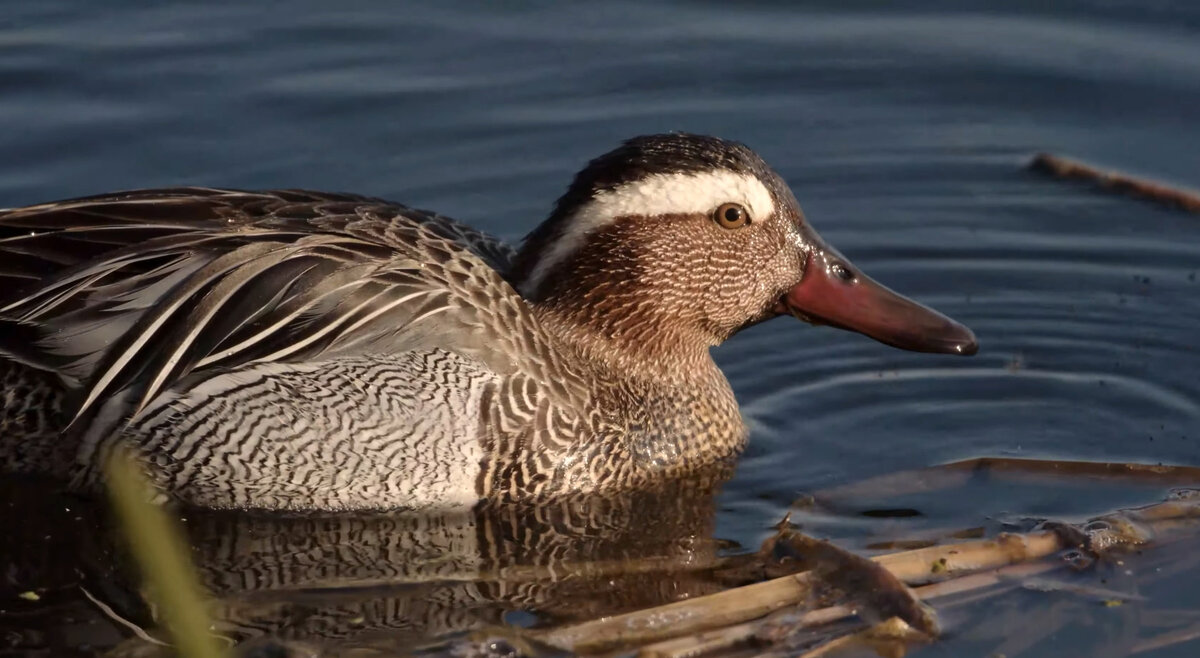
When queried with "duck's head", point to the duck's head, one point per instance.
{"points": [[675, 242]]}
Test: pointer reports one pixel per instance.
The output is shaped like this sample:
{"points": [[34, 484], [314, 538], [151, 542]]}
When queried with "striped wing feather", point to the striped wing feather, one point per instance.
{"points": [[129, 293]]}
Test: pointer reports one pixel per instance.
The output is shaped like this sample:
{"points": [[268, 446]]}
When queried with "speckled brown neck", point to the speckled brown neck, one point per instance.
{"points": [[642, 323], [616, 335]]}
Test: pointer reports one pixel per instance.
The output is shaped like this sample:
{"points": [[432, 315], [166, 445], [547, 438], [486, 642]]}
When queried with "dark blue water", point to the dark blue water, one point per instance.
{"points": [[902, 129]]}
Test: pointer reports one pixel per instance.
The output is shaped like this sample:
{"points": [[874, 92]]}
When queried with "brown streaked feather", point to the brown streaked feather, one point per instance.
{"points": [[147, 286]]}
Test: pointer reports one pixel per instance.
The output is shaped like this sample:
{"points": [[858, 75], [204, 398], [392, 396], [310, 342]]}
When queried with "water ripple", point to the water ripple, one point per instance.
{"points": [[1145, 391]]}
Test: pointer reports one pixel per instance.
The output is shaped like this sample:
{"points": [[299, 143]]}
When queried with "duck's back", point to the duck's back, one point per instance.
{"points": [[276, 349]]}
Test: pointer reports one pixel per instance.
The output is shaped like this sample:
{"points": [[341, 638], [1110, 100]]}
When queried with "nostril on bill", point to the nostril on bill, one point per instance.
{"points": [[842, 272]]}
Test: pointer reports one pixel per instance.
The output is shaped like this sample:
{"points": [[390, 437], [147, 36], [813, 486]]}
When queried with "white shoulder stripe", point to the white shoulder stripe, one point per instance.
{"points": [[659, 194]]}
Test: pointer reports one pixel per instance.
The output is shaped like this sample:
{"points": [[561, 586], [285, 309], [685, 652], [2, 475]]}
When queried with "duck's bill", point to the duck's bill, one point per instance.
{"points": [[834, 293]]}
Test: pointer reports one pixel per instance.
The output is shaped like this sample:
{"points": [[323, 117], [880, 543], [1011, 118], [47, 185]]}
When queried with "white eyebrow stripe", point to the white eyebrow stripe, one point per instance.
{"points": [[658, 194]]}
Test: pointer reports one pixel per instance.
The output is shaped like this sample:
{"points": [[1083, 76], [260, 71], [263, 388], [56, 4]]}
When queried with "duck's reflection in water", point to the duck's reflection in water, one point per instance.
{"points": [[404, 579]]}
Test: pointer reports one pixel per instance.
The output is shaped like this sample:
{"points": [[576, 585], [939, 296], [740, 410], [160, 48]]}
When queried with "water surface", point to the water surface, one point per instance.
{"points": [[903, 131]]}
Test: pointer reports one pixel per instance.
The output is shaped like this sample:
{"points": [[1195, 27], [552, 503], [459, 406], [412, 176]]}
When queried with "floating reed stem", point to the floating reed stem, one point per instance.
{"points": [[720, 620], [743, 604], [1061, 167]]}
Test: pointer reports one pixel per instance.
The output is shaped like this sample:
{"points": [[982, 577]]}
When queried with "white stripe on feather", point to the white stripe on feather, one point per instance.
{"points": [[387, 307], [331, 326], [213, 270], [220, 294], [252, 340]]}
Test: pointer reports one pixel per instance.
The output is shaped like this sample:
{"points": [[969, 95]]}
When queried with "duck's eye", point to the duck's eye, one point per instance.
{"points": [[732, 215]]}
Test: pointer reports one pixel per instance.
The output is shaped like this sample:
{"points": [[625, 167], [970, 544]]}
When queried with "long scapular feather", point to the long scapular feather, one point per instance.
{"points": [[288, 312], [212, 302], [143, 332]]}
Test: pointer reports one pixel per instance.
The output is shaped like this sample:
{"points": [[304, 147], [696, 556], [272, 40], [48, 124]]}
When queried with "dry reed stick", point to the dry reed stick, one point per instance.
{"points": [[753, 601], [701, 616], [1061, 167], [724, 638]]}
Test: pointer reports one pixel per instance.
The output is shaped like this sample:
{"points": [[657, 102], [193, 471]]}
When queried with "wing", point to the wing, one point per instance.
{"points": [[36, 241], [145, 288]]}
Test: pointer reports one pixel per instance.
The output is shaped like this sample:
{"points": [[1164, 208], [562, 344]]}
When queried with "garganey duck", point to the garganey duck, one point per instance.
{"points": [[309, 351]]}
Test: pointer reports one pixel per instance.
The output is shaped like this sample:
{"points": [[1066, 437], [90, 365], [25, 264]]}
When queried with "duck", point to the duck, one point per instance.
{"points": [[299, 351]]}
